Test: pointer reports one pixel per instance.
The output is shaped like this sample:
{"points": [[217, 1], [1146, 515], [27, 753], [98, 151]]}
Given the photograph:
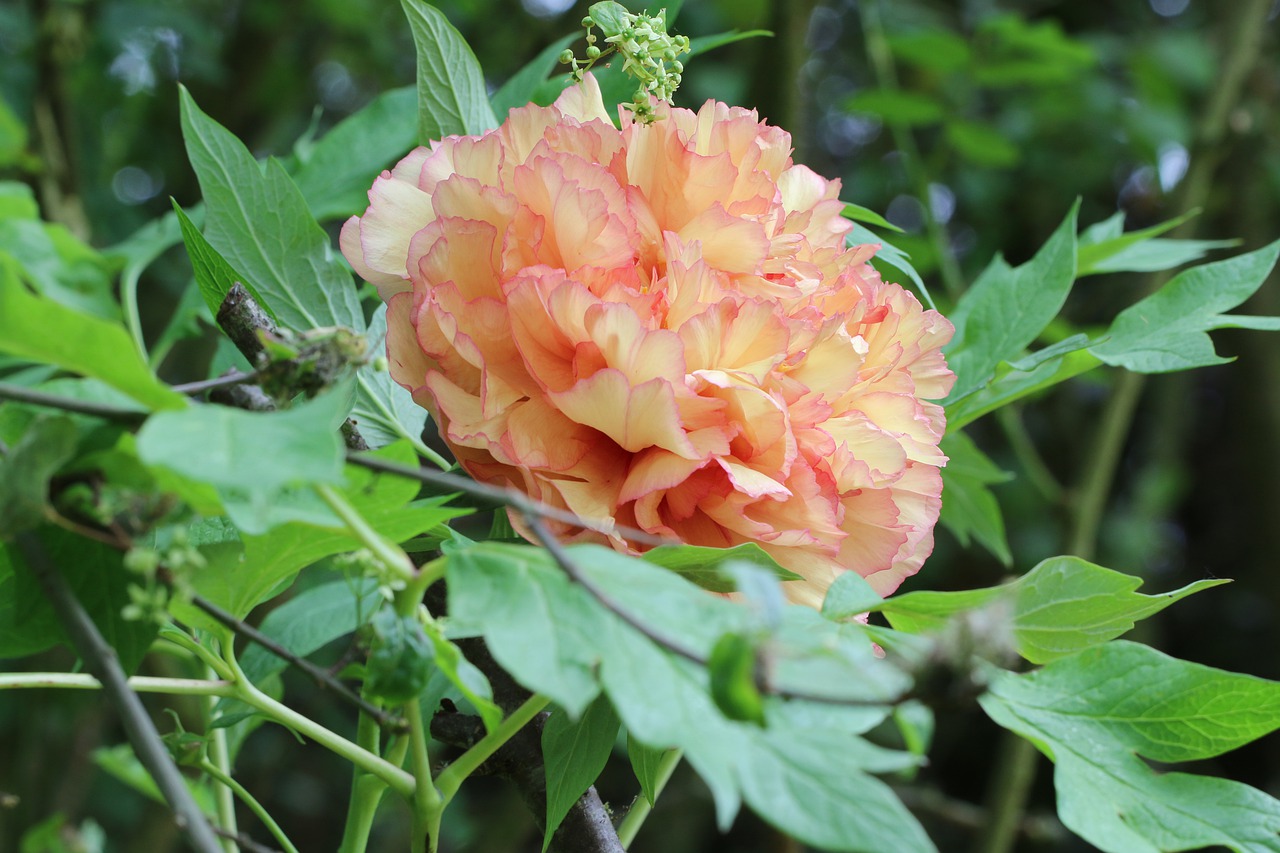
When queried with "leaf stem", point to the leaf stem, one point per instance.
{"points": [[639, 812], [428, 803], [396, 561], [366, 792], [398, 780], [137, 683], [235, 788], [220, 760], [451, 778]]}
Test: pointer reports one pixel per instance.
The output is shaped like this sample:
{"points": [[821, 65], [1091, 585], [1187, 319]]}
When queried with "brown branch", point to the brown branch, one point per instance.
{"points": [[32, 397], [227, 380], [101, 661]]}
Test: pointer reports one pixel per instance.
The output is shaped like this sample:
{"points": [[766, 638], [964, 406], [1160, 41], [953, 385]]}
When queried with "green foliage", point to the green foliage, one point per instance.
{"points": [[1096, 712], [575, 751], [969, 509], [399, 663], [451, 91], [645, 762], [26, 469], [258, 220], [703, 565]]}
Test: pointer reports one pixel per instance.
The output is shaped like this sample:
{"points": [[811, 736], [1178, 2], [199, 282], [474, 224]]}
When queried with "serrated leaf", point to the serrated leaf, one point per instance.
{"points": [[1094, 713], [1066, 604], [646, 762], [969, 509], [310, 620], [26, 469], [1006, 308], [335, 183], [701, 564], [384, 411], [451, 93], [214, 276], [1169, 330], [575, 752], [258, 220], [41, 330]]}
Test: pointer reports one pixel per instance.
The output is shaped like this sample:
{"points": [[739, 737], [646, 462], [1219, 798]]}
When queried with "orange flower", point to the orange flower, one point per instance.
{"points": [[661, 325]]}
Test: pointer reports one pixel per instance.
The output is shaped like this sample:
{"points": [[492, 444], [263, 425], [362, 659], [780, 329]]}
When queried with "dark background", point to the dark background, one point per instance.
{"points": [[1006, 113]]}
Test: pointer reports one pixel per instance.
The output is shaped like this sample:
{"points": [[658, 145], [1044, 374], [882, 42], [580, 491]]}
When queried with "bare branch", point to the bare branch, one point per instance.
{"points": [[33, 397]]}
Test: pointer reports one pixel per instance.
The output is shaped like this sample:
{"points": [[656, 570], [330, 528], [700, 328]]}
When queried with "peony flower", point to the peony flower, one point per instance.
{"points": [[661, 325]]}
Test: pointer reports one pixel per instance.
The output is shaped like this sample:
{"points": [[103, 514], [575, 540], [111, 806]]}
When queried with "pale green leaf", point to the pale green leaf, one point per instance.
{"points": [[702, 564], [384, 411], [1093, 711]]}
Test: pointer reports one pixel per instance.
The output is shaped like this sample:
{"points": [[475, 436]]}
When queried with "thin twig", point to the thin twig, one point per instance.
{"points": [[245, 842], [518, 501], [100, 659], [322, 678], [235, 377], [31, 396]]}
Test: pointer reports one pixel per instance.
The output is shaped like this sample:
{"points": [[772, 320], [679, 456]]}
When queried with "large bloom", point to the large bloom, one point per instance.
{"points": [[661, 325]]}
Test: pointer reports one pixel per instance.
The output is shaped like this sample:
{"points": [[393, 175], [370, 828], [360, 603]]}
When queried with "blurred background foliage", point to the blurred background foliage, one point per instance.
{"points": [[971, 124]]}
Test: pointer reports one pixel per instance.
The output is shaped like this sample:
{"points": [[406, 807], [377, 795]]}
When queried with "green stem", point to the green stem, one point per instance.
{"points": [[183, 640], [451, 778], [396, 561], [887, 78], [238, 790], [428, 804], [366, 792], [639, 812], [138, 683], [1095, 487], [220, 757], [1033, 465], [399, 781]]}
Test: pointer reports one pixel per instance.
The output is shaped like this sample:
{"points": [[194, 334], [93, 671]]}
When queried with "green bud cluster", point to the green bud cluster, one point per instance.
{"points": [[649, 53]]}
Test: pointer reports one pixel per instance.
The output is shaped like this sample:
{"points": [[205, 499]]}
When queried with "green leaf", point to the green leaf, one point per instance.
{"points": [[471, 684], [1168, 330], [310, 620], [259, 222], [1065, 605], [521, 88], [899, 107], [384, 411], [17, 200], [25, 471], [936, 49], [254, 451], [814, 788], [1104, 247], [97, 576], [59, 266], [214, 276], [539, 626], [42, 330], [645, 764], [848, 596], [858, 213], [1007, 308], [451, 93], [610, 17], [242, 574], [702, 565], [1062, 606], [969, 509], [334, 182], [575, 752], [706, 44], [1094, 713], [120, 763], [1011, 384]]}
